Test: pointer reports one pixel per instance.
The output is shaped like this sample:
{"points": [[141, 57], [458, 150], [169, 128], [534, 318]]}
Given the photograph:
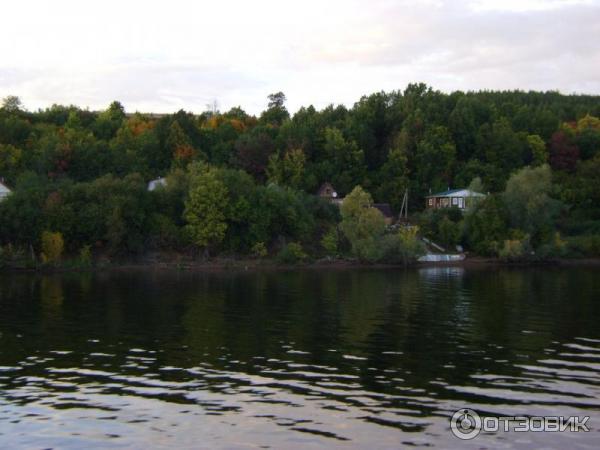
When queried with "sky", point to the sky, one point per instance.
{"points": [[164, 56]]}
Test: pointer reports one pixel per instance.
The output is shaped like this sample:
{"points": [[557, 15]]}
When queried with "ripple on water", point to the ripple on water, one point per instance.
{"points": [[368, 362]]}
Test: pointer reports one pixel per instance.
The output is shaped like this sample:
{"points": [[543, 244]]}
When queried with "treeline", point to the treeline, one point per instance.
{"points": [[244, 184]]}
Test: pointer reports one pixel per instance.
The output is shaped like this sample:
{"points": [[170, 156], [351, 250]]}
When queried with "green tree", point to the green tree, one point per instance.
{"points": [[276, 114], [11, 161], [344, 165], [204, 210], [539, 153], [435, 159], [530, 205], [329, 242], [287, 170], [362, 224], [109, 121], [486, 225], [394, 176], [12, 104]]}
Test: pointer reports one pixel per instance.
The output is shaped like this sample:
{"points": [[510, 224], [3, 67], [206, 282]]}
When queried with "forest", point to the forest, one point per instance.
{"points": [[244, 186]]}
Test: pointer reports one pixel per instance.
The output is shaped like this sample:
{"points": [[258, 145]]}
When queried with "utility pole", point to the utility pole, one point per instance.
{"points": [[404, 207]]}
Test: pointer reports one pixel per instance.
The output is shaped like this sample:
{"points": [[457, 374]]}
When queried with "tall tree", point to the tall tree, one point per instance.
{"points": [[287, 170], [531, 207], [204, 210], [362, 224]]}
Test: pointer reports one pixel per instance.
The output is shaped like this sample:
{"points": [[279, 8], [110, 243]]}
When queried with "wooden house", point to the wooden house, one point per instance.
{"points": [[453, 198], [327, 192]]}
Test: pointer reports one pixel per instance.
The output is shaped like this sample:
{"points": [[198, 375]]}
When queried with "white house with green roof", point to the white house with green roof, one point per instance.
{"points": [[453, 198]]}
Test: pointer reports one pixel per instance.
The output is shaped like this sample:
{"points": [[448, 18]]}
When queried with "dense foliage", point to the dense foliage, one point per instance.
{"points": [[241, 184]]}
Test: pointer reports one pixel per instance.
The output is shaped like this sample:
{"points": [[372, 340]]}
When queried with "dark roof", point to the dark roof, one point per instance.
{"points": [[384, 208]]}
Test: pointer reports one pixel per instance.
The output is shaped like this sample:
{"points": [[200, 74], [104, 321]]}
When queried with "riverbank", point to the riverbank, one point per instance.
{"points": [[220, 264]]}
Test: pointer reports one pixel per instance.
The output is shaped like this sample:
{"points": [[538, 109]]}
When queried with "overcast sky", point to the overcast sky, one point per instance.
{"points": [[161, 56]]}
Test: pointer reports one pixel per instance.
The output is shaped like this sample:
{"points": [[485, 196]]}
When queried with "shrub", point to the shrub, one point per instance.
{"points": [[403, 246], [52, 246], [85, 256], [330, 242], [515, 249], [582, 246], [443, 226], [16, 257], [292, 253], [259, 250], [165, 233], [556, 248], [448, 232]]}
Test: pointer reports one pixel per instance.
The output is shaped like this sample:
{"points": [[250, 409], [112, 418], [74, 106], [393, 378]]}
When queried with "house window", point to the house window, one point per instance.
{"points": [[445, 202], [454, 201], [430, 202], [461, 203]]}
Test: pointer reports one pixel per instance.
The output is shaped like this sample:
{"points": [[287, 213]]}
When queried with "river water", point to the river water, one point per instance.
{"points": [[296, 359]]}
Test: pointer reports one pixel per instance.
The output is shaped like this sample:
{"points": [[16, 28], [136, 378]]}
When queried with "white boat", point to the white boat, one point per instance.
{"points": [[438, 257]]}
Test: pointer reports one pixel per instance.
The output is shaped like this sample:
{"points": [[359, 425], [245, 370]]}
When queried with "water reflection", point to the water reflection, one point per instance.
{"points": [[290, 359]]}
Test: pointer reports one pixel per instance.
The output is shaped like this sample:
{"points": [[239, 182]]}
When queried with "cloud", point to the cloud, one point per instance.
{"points": [[157, 56]]}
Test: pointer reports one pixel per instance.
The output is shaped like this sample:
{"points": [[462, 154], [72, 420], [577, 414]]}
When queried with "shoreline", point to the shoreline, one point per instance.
{"points": [[220, 265]]}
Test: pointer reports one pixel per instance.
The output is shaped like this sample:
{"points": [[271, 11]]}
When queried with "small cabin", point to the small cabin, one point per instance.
{"points": [[4, 190], [453, 198], [327, 192], [152, 185]]}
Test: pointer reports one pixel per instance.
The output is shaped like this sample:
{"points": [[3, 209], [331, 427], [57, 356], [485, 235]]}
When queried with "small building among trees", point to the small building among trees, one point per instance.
{"points": [[4, 190], [327, 192], [453, 198], [152, 185]]}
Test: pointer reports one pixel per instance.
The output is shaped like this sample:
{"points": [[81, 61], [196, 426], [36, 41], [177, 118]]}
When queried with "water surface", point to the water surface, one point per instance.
{"points": [[299, 359]]}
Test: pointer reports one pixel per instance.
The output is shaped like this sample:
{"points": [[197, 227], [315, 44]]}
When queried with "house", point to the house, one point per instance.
{"points": [[386, 210], [152, 185], [327, 192], [459, 198], [4, 190]]}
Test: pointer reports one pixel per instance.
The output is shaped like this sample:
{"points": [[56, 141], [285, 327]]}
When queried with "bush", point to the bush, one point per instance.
{"points": [[583, 246], [443, 226], [486, 226], [85, 256], [448, 232], [292, 253], [259, 250], [164, 232], [556, 248], [52, 247], [330, 242], [515, 249], [403, 246], [14, 257]]}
